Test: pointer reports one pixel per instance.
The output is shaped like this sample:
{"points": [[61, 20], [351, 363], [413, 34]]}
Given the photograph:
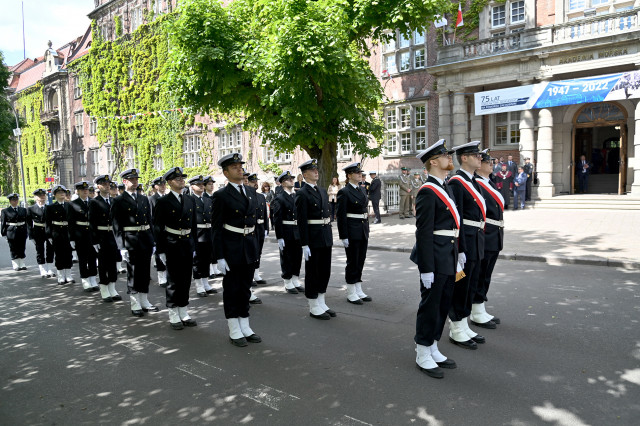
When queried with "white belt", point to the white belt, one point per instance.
{"points": [[323, 221], [15, 223], [38, 224], [105, 228], [136, 228], [260, 221], [243, 231], [82, 223], [358, 216], [498, 223], [447, 232], [60, 223], [289, 222], [474, 223], [203, 225], [177, 231]]}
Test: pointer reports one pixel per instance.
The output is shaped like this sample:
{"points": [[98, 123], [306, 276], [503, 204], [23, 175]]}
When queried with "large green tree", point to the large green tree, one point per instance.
{"points": [[7, 124], [296, 71]]}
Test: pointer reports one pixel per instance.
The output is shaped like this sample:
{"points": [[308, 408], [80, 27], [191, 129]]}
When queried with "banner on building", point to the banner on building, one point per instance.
{"points": [[611, 87]]}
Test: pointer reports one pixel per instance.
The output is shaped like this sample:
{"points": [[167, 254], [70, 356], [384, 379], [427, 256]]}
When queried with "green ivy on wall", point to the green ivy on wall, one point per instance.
{"points": [[270, 167], [118, 23], [472, 16], [121, 79], [35, 139]]}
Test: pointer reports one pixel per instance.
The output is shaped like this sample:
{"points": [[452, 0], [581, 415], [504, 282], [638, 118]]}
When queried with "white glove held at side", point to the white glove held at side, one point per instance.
{"points": [[73, 245], [163, 257], [306, 251], [223, 267], [345, 243], [96, 247], [462, 259], [125, 255], [280, 243], [427, 279]]}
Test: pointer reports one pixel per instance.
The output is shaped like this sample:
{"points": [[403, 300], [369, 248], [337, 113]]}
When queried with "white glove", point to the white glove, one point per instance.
{"points": [[153, 250], [427, 279], [50, 240], [73, 245], [306, 251], [266, 233], [462, 259], [345, 243], [223, 267], [125, 255], [281, 243], [194, 254], [96, 247], [163, 257]]}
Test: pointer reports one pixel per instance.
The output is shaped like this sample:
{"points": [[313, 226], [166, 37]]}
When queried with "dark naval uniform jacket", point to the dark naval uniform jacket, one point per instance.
{"points": [[471, 237], [79, 230], [35, 223], [234, 209], [127, 212], [57, 212], [99, 217], [262, 215], [352, 201], [284, 208], [312, 204], [170, 213], [17, 215], [493, 235], [204, 215], [375, 190]]}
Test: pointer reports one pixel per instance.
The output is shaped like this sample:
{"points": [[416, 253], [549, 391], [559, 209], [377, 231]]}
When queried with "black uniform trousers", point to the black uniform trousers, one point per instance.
{"points": [[463, 292], [138, 271], [86, 259], [204, 251], [179, 255], [260, 234], [291, 259], [62, 249], [484, 279], [376, 209], [236, 286], [317, 271], [44, 251], [108, 255], [433, 308], [356, 255], [18, 244]]}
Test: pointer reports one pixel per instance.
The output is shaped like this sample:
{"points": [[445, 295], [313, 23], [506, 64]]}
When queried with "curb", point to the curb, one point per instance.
{"points": [[523, 257]]}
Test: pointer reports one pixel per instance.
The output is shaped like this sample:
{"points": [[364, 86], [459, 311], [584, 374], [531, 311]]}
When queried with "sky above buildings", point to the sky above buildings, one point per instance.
{"points": [[57, 20]]}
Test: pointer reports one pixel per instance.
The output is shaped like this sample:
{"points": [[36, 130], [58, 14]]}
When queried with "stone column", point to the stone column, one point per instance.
{"points": [[527, 143], [444, 117], [459, 131], [635, 186], [544, 166]]}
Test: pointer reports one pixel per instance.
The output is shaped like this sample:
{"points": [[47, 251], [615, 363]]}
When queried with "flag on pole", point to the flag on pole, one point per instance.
{"points": [[459, 21], [440, 22]]}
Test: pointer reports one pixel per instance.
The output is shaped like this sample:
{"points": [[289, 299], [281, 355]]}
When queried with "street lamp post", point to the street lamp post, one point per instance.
{"points": [[17, 132]]}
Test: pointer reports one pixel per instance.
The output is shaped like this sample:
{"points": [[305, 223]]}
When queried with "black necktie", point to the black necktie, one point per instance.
{"points": [[180, 198], [242, 191]]}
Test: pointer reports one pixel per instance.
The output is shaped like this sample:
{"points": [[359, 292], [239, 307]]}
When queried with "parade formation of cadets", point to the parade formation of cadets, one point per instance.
{"points": [[459, 234]]}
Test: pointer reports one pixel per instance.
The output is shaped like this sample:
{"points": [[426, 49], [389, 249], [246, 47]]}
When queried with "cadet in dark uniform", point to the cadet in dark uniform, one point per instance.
{"points": [[436, 254], [314, 224], [528, 169], [203, 238], [14, 228], [175, 228], [472, 210], [286, 227], [208, 193], [57, 229], [353, 229], [131, 222], [38, 234], [236, 246], [493, 239], [262, 224], [160, 186], [103, 240], [81, 238], [113, 193], [375, 194]]}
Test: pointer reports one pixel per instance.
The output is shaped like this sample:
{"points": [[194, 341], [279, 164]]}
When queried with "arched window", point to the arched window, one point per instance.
{"points": [[53, 100], [600, 113]]}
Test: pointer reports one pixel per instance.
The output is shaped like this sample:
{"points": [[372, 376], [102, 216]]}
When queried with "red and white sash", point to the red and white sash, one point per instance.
{"points": [[494, 193], [477, 197], [444, 197]]}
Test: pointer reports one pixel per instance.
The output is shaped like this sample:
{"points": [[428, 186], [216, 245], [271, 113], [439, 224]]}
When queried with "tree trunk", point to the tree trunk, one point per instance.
{"points": [[327, 162]]}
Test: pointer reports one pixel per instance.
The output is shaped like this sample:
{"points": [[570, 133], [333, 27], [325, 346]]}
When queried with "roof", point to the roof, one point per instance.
{"points": [[30, 77]]}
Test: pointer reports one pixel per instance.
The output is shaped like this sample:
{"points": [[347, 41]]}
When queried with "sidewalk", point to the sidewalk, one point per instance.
{"points": [[588, 237]]}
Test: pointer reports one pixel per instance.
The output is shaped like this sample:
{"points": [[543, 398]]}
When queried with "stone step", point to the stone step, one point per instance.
{"points": [[587, 202]]}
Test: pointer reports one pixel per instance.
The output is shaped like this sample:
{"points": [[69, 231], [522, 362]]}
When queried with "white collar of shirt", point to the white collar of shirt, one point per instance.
{"points": [[467, 173], [355, 186], [483, 178], [39, 205], [133, 194], [85, 200], [288, 191], [176, 194], [440, 181], [237, 186], [313, 185]]}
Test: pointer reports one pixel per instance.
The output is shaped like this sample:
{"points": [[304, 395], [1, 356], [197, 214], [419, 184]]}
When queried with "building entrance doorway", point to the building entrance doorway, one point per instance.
{"points": [[600, 136]]}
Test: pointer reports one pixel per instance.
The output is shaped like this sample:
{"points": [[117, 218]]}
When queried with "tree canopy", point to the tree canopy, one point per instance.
{"points": [[296, 71], [7, 124]]}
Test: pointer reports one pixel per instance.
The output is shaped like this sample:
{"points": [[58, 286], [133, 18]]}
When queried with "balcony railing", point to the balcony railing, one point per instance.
{"points": [[584, 29], [49, 116]]}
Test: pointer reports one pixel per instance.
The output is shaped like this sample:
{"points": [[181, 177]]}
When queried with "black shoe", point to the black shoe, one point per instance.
{"points": [[88, 290], [331, 313], [52, 275], [366, 299], [177, 325], [491, 325], [436, 373], [212, 291], [190, 322], [300, 289], [241, 342], [254, 284], [292, 290], [256, 301], [496, 320], [71, 281], [137, 313], [469, 344], [355, 302], [322, 316], [203, 294], [447, 363], [45, 276], [479, 339], [261, 282], [212, 276], [151, 309], [107, 299], [254, 338], [24, 268], [164, 285], [116, 297]]}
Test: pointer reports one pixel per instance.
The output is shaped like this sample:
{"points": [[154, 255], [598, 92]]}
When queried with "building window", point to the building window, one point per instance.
{"points": [[498, 16], [403, 53], [82, 164], [408, 134], [55, 138], [157, 158], [95, 161], [191, 150], [130, 157], [392, 191], [345, 151], [269, 156], [111, 163], [517, 12], [93, 125], [507, 128], [77, 90], [136, 18], [576, 4], [507, 15], [79, 124], [230, 141]]}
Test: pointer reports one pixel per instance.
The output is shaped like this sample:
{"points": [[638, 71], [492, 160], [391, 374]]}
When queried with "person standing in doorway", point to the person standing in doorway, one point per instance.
{"points": [[583, 169]]}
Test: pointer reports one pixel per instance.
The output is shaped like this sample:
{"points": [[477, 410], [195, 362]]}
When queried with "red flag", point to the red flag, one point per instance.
{"points": [[459, 21]]}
